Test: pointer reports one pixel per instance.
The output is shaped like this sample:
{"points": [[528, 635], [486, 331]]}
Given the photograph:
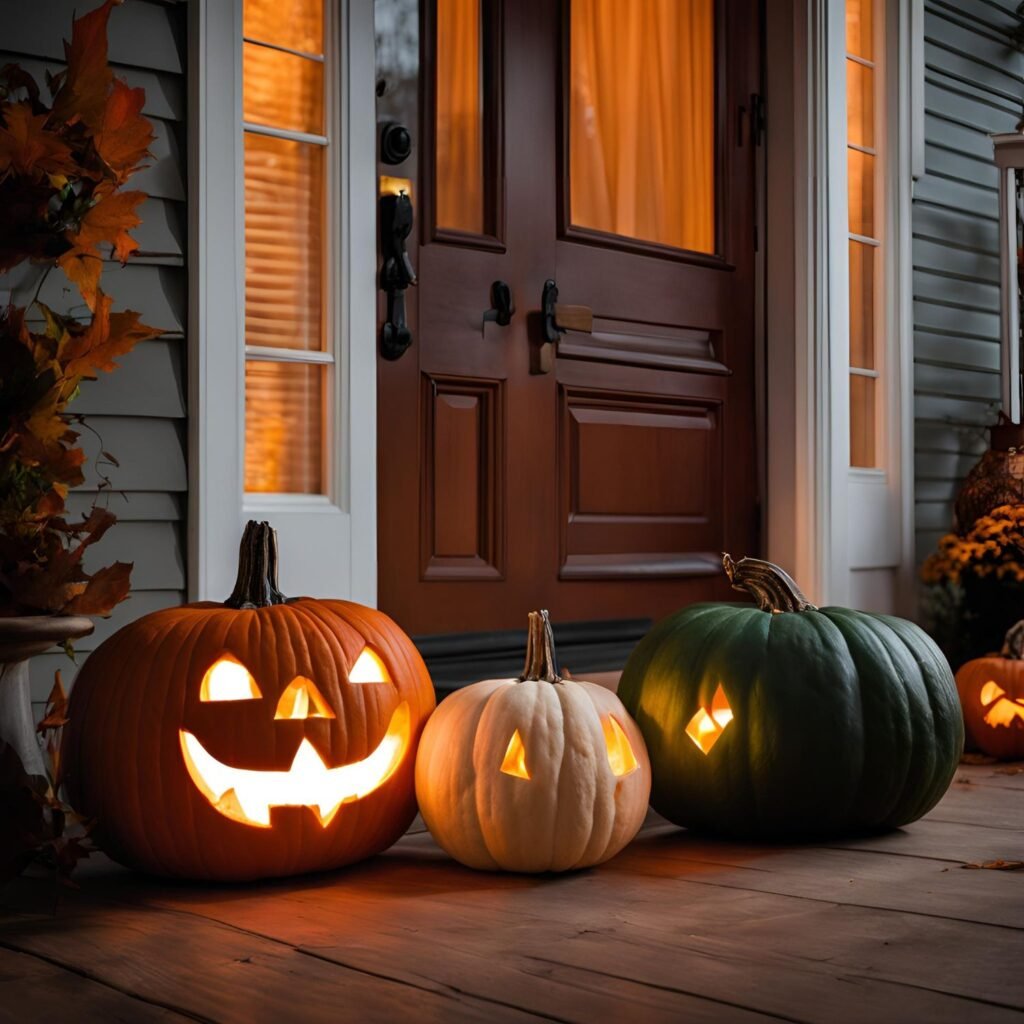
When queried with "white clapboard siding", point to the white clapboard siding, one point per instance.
{"points": [[138, 413], [974, 81]]}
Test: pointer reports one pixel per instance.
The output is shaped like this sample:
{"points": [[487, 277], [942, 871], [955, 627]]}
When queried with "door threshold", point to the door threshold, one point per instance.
{"points": [[599, 646]]}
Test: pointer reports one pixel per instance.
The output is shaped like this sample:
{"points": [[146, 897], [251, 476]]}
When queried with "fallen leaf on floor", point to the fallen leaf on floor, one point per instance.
{"points": [[970, 758], [964, 781], [1010, 769], [997, 865]]}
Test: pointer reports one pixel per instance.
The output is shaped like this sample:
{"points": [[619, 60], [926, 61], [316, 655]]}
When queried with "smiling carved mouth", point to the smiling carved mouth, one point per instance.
{"points": [[246, 796]]}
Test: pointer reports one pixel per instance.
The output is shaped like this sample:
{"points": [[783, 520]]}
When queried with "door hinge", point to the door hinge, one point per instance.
{"points": [[757, 118]]}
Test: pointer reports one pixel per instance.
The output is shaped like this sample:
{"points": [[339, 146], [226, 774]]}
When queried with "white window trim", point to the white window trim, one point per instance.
{"points": [[328, 544], [824, 520]]}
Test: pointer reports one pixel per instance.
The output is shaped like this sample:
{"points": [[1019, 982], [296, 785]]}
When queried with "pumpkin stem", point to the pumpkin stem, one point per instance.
{"points": [[256, 584], [1013, 645], [773, 588], [541, 663]]}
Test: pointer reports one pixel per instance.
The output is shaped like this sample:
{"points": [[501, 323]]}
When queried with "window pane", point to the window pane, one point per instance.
{"points": [[459, 138], [860, 104], [283, 428], [642, 120], [862, 421], [859, 28], [861, 170], [283, 242], [282, 90], [297, 24], [862, 306]]}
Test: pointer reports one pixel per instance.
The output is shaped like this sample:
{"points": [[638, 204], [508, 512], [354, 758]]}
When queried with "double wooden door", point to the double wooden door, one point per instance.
{"points": [[595, 454]]}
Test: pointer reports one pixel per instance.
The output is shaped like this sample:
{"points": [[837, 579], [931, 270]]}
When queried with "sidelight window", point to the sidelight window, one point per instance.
{"points": [[865, 198], [287, 141]]}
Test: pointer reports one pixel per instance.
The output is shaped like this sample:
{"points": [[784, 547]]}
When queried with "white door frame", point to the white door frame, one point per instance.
{"points": [[845, 535], [328, 544]]}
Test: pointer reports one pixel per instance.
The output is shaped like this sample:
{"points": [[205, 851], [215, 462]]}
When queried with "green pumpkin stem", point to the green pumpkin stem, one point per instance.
{"points": [[256, 584], [541, 663], [773, 588], [1013, 645]]}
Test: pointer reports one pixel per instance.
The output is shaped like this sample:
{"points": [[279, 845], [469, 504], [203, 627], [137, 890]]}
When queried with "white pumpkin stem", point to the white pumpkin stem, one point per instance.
{"points": [[541, 663], [1013, 645], [256, 584], [773, 588]]}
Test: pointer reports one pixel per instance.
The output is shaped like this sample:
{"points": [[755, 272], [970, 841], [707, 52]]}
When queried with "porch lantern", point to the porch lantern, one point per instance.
{"points": [[998, 478]]}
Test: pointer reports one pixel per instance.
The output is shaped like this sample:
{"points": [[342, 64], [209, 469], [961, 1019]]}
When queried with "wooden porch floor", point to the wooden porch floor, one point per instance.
{"points": [[888, 929]]}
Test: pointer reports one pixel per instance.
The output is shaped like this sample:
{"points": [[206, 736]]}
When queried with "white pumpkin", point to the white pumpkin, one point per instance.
{"points": [[533, 774]]}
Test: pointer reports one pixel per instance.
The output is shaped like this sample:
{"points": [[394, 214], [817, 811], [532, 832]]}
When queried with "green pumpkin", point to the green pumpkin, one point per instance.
{"points": [[802, 721]]}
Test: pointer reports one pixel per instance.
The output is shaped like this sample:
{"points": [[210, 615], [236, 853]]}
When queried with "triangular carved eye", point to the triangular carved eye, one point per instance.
{"points": [[705, 729], [515, 758], [302, 699], [620, 751], [228, 679], [368, 668]]}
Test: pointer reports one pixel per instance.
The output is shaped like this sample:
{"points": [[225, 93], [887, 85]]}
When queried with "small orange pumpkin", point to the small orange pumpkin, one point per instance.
{"points": [[249, 739], [992, 697]]}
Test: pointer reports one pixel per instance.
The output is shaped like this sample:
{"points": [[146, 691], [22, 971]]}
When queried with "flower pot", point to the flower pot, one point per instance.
{"points": [[20, 639]]}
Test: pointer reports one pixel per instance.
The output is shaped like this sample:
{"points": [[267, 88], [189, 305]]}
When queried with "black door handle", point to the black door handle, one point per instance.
{"points": [[502, 307], [397, 273]]}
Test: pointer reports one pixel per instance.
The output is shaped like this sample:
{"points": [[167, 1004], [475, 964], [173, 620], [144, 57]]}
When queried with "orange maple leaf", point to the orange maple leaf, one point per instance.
{"points": [[109, 220], [124, 136], [26, 147], [81, 90], [108, 336], [104, 589]]}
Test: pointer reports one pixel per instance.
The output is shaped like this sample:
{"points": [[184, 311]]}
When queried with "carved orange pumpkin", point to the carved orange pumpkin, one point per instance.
{"points": [[992, 696], [249, 739]]}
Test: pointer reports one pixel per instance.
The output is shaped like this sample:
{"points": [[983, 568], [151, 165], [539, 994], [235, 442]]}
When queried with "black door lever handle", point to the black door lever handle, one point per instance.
{"points": [[502, 307]]}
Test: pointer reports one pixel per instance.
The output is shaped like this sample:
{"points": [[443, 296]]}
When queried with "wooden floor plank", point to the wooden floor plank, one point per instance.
{"points": [[32, 989], [887, 928]]}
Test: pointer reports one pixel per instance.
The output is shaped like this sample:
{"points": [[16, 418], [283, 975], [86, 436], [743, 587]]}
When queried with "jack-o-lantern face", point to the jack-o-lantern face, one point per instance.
{"points": [[708, 724], [992, 697], [252, 739], [246, 795], [1000, 709]]}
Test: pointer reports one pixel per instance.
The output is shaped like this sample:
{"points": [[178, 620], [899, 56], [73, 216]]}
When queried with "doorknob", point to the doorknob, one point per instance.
{"points": [[559, 318], [397, 272]]}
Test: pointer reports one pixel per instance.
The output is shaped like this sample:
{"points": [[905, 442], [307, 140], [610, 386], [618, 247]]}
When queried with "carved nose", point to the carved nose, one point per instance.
{"points": [[301, 699]]}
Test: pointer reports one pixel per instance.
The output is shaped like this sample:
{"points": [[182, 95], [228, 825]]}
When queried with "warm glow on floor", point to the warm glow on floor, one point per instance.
{"points": [[247, 796], [705, 729], [515, 758]]}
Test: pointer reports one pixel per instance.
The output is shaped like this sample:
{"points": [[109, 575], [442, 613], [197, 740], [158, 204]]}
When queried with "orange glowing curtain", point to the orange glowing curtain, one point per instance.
{"points": [[641, 125], [459, 188]]}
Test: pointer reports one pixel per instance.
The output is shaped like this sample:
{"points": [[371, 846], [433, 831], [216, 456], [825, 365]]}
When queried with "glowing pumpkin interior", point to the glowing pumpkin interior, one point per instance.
{"points": [[1000, 708], [247, 796], [707, 725]]}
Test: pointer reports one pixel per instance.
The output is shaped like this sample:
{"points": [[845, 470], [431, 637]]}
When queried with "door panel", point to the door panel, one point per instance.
{"points": [[608, 486]]}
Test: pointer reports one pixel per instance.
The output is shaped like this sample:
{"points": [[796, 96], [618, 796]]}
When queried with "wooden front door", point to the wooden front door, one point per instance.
{"points": [[604, 145]]}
